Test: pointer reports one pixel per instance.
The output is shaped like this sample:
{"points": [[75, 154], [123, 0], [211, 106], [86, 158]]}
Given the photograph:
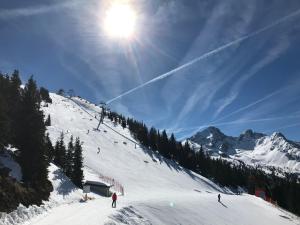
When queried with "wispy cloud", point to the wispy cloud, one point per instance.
{"points": [[288, 95], [233, 122], [6, 14], [256, 111], [284, 127], [271, 55]]}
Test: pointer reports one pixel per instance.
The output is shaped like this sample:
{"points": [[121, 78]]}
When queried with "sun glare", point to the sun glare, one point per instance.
{"points": [[120, 20]]}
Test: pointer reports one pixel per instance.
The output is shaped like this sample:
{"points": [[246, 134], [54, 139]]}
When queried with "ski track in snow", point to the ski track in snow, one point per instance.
{"points": [[157, 191]]}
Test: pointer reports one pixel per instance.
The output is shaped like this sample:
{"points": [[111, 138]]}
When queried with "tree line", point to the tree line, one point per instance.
{"points": [[22, 126], [284, 190], [69, 158]]}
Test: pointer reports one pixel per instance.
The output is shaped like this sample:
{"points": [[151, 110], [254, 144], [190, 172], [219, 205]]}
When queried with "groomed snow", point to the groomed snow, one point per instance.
{"points": [[157, 191]]}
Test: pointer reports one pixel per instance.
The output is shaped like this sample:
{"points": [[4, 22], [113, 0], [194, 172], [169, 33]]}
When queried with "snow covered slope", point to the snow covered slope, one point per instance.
{"points": [[250, 147], [157, 191]]}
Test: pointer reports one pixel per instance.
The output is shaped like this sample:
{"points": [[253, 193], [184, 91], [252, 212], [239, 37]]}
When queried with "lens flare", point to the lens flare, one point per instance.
{"points": [[120, 20]]}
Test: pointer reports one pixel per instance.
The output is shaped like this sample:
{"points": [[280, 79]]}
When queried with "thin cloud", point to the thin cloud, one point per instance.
{"points": [[273, 54], [234, 122], [6, 14], [206, 55], [284, 127], [267, 97]]}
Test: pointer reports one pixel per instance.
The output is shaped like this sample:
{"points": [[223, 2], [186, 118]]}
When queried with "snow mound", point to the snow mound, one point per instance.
{"points": [[64, 192]]}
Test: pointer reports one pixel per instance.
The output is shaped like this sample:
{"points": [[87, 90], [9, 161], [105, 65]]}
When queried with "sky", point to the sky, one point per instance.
{"points": [[190, 64]]}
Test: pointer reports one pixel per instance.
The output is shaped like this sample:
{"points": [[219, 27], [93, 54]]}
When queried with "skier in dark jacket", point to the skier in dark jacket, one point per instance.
{"points": [[219, 198], [114, 200]]}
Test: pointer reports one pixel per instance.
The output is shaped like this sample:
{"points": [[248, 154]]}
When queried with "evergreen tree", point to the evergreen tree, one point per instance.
{"points": [[172, 146], [77, 176], [153, 138], [30, 137], [61, 92], [14, 103], [60, 153], [4, 123], [45, 95], [123, 123], [49, 148], [70, 158], [163, 144], [48, 121]]}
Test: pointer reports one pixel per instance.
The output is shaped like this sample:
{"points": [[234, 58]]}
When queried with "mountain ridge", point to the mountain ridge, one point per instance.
{"points": [[251, 147]]}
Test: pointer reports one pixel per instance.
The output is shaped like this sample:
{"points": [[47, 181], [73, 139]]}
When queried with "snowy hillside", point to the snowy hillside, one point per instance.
{"points": [[157, 191], [250, 147]]}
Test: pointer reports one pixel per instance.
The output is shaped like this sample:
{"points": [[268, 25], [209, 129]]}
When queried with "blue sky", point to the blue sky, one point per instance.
{"points": [[254, 83]]}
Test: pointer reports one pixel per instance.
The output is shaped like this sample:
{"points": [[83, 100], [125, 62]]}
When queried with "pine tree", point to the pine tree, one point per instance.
{"points": [[61, 92], [124, 123], [4, 123], [45, 95], [31, 136], [14, 103], [70, 158], [49, 148], [77, 176], [172, 146], [153, 138], [60, 153], [163, 144], [48, 121]]}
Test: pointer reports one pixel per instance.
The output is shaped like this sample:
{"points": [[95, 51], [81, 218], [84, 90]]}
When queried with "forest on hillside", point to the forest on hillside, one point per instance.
{"points": [[23, 128], [283, 190]]}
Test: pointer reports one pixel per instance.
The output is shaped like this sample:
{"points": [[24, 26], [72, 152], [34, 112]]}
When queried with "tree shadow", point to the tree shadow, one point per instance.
{"points": [[173, 165], [66, 186]]}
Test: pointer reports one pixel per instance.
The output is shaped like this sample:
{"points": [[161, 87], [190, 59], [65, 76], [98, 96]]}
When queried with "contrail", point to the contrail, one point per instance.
{"points": [[179, 130], [249, 106], [206, 55]]}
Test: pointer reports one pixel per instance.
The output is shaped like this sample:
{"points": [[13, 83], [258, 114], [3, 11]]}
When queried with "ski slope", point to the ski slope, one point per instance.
{"points": [[157, 191]]}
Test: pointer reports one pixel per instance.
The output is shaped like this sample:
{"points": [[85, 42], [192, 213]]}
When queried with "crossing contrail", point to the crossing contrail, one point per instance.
{"points": [[206, 55], [243, 121]]}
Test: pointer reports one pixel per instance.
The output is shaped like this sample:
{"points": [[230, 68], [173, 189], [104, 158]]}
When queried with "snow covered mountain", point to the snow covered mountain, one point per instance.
{"points": [[157, 191], [250, 147]]}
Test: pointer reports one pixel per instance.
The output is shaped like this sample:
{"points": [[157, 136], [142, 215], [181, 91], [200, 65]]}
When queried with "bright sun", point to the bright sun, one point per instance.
{"points": [[120, 20]]}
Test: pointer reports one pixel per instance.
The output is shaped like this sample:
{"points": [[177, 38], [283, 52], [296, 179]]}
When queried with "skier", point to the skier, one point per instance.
{"points": [[114, 200], [98, 150], [219, 198], [88, 132]]}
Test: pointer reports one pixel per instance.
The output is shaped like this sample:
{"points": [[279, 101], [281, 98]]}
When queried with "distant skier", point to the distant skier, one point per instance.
{"points": [[219, 198], [114, 200], [88, 132], [98, 150]]}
